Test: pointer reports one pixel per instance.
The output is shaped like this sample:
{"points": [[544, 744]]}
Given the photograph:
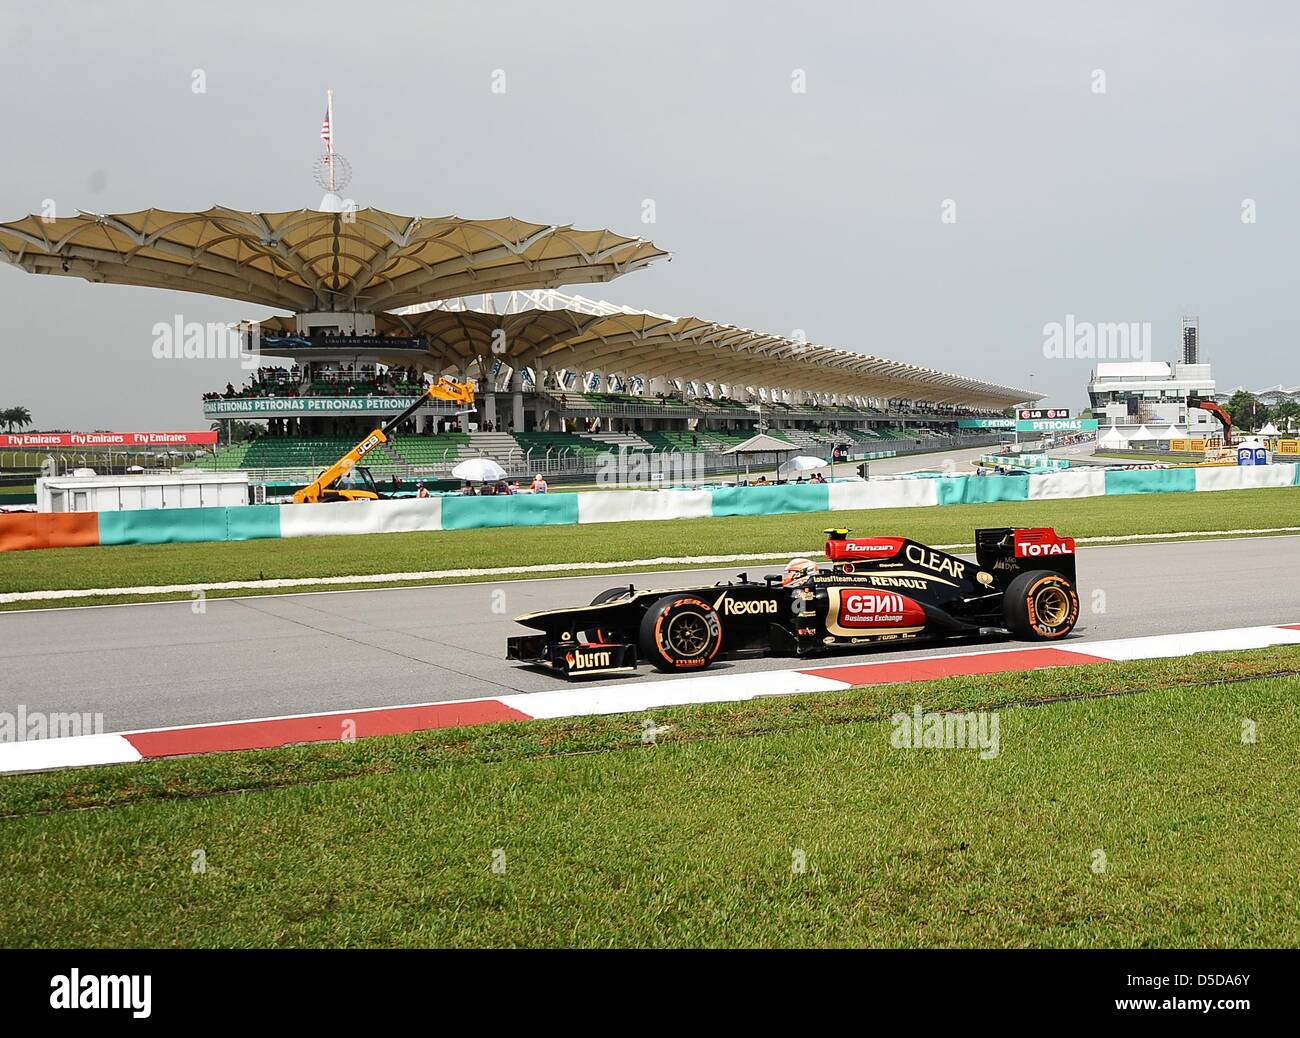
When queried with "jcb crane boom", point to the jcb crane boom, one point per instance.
{"points": [[1220, 413], [323, 489]]}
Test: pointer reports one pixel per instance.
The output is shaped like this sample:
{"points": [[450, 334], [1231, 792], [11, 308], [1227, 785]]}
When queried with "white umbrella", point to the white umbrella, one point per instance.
{"points": [[804, 463], [479, 470]]}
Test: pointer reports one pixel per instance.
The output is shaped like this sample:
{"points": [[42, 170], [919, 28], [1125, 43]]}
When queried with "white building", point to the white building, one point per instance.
{"points": [[1153, 394]]}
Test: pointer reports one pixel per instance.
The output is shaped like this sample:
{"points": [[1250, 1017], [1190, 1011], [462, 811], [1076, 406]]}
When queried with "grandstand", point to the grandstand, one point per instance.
{"points": [[377, 310]]}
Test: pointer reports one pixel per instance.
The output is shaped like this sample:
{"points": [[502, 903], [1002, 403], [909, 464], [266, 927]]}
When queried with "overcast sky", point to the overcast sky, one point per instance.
{"points": [[819, 210]]}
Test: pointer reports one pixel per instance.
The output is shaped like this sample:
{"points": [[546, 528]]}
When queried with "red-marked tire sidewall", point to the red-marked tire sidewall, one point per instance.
{"points": [[1032, 598], [680, 632]]}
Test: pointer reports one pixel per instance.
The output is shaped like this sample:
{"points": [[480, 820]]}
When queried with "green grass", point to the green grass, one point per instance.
{"points": [[151, 565], [611, 842]]}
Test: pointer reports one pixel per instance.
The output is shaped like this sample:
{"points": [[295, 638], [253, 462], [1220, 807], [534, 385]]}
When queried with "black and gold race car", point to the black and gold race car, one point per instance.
{"points": [[871, 590]]}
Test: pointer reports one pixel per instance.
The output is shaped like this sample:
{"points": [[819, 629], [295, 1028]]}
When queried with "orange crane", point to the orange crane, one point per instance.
{"points": [[1220, 413], [322, 488]]}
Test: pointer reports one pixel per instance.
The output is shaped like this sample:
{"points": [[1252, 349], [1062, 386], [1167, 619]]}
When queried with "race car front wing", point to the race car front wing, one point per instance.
{"points": [[578, 659]]}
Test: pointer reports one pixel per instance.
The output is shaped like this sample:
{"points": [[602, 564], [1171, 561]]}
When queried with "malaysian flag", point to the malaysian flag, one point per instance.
{"points": [[325, 134]]}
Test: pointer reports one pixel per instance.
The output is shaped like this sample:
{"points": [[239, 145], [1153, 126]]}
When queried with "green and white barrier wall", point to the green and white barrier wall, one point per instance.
{"points": [[1041, 462], [180, 525]]}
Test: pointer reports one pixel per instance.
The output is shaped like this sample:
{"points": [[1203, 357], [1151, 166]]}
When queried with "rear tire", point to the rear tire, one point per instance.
{"points": [[609, 595], [1041, 606], [680, 632]]}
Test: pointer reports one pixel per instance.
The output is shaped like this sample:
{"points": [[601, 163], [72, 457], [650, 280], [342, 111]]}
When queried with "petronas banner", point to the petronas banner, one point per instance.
{"points": [[302, 405]]}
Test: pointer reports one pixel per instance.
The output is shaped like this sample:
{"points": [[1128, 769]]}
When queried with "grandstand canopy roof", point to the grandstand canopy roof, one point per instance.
{"points": [[551, 330], [307, 260]]}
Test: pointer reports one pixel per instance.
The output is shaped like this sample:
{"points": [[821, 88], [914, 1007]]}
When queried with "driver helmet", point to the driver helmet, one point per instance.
{"points": [[797, 569]]}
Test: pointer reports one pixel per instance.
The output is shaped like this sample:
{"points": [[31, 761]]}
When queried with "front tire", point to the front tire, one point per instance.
{"points": [[1041, 606], [680, 632]]}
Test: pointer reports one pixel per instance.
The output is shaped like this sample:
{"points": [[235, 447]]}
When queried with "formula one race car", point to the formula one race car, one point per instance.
{"points": [[872, 590]]}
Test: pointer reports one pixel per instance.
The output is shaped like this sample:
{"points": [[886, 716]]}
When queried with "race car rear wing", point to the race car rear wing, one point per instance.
{"points": [[1015, 550]]}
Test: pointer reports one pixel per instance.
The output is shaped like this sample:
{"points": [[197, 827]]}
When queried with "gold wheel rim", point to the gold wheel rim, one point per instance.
{"points": [[1052, 605], [687, 634]]}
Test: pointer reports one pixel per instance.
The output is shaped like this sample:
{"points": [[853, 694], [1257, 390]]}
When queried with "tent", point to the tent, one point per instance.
{"points": [[1143, 435], [757, 446], [1112, 437], [1269, 430]]}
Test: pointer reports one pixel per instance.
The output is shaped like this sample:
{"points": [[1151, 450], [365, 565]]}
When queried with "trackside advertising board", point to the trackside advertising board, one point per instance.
{"points": [[1029, 414], [107, 439], [986, 423], [1057, 425]]}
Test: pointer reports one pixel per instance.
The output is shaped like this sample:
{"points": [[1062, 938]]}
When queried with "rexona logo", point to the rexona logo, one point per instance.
{"points": [[746, 607], [590, 659], [864, 608]]}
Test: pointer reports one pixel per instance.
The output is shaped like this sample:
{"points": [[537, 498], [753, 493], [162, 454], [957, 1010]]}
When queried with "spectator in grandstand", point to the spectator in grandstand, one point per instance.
{"points": [[502, 487], [467, 490], [514, 487], [539, 484], [423, 491]]}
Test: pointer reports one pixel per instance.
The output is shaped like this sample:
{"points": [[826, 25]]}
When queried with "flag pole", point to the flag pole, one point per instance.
{"points": [[329, 111]]}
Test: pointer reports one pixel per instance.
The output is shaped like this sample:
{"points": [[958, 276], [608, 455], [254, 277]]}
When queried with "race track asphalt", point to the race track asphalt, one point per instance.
{"points": [[152, 665]]}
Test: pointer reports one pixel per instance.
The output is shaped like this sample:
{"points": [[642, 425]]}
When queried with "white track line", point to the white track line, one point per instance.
{"points": [[115, 748], [547, 567]]}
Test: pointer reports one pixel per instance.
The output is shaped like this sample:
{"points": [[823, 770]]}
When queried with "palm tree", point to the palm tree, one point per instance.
{"points": [[234, 431], [20, 416]]}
